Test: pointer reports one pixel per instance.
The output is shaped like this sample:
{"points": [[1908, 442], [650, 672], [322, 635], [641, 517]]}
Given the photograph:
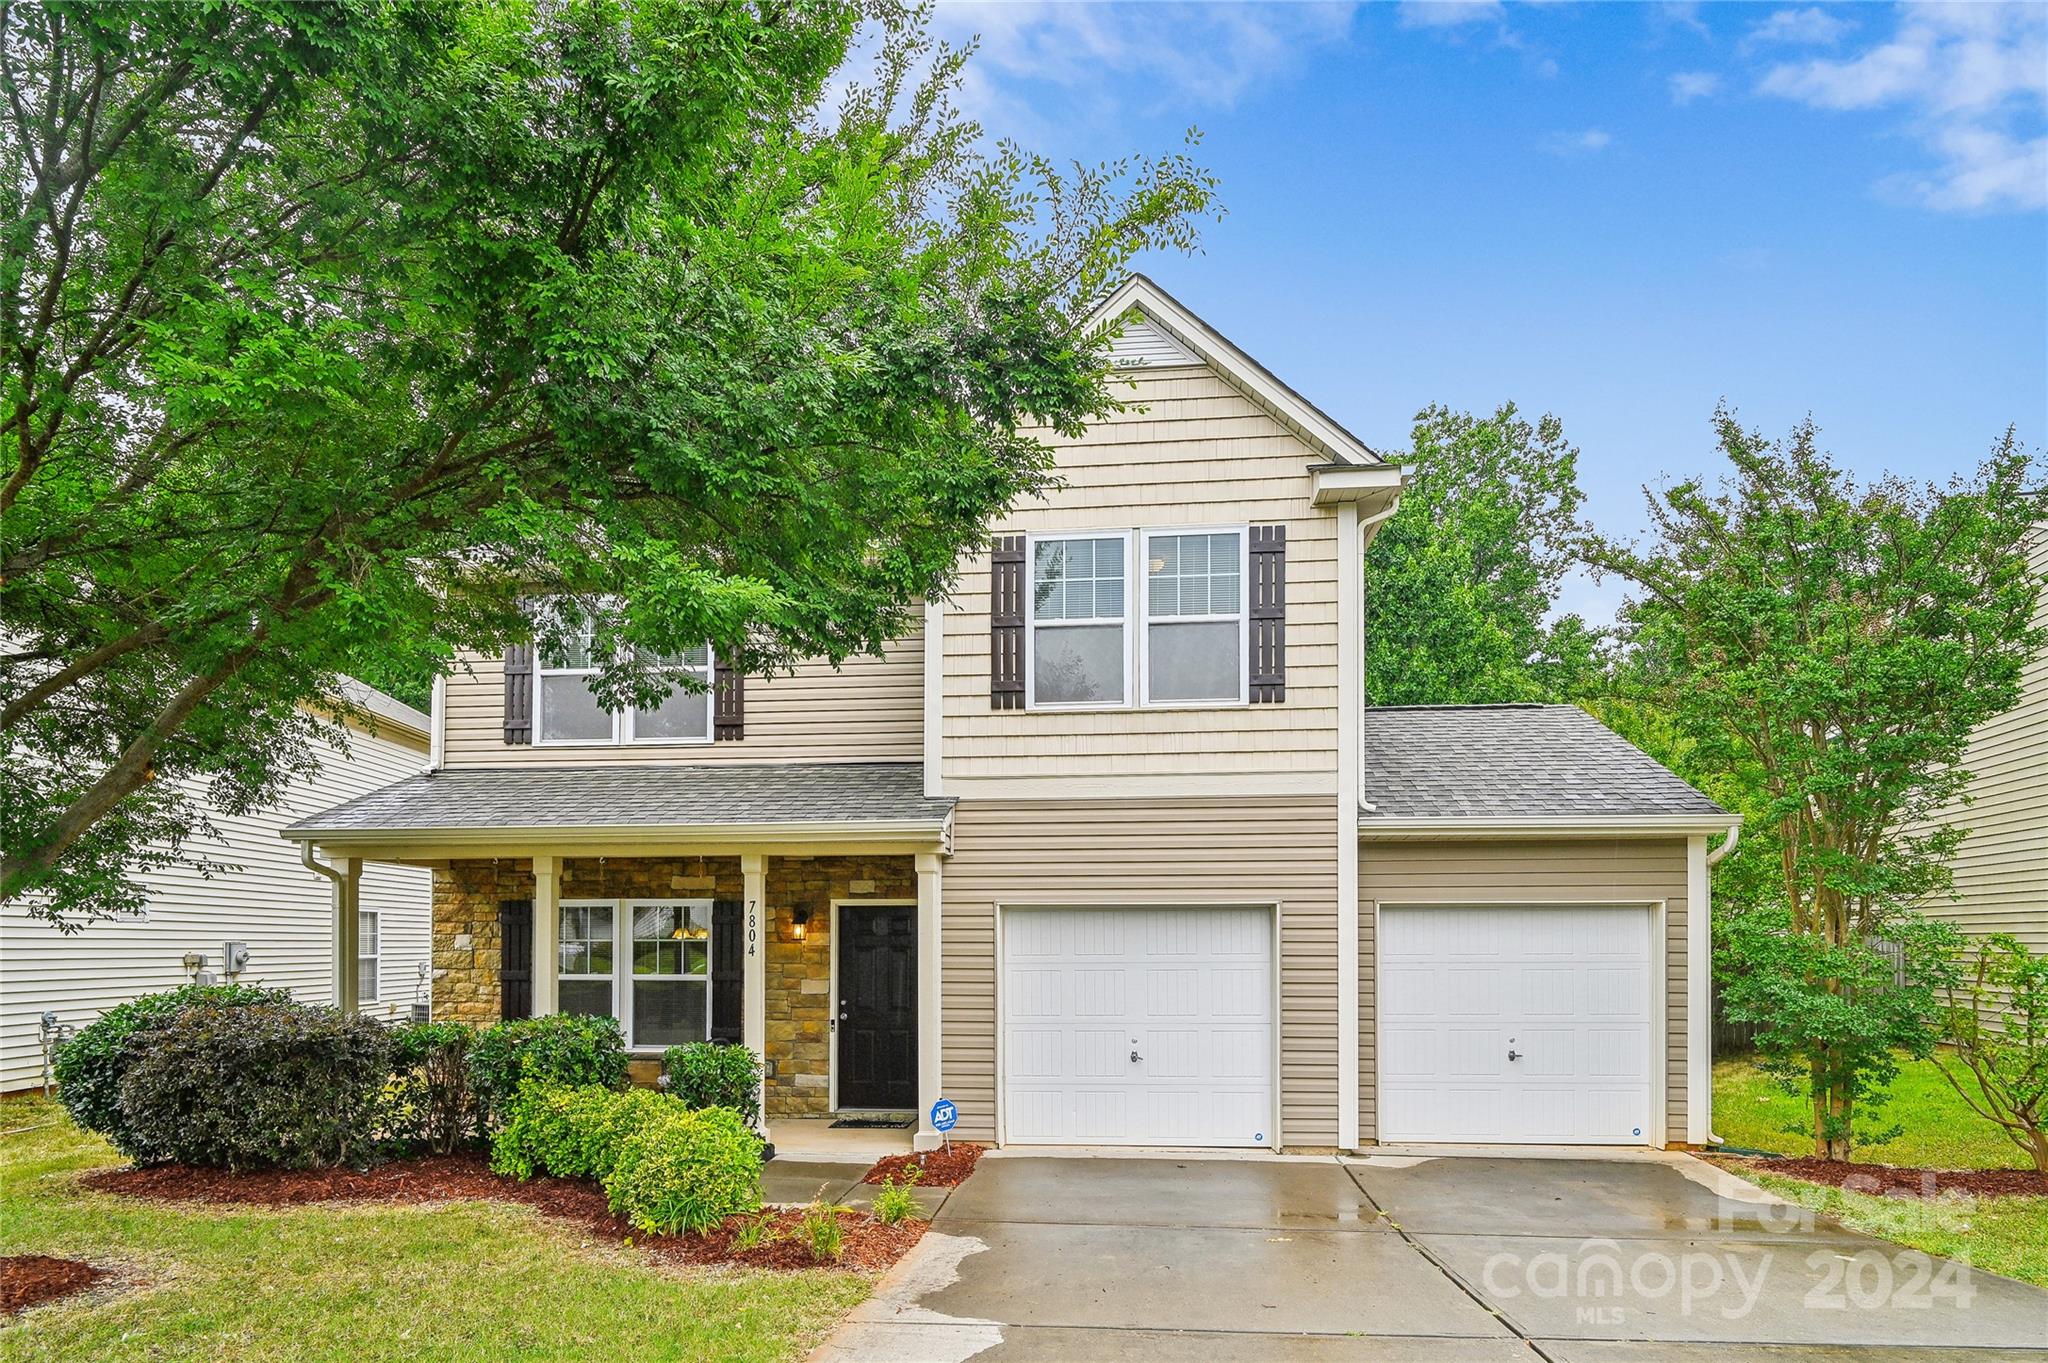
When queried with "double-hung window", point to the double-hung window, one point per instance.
{"points": [[584, 944], [368, 949], [1195, 620], [645, 962], [569, 710], [1079, 609]]}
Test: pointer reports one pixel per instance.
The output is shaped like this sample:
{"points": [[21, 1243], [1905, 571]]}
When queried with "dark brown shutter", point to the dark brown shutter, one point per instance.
{"points": [[728, 703], [519, 693], [1269, 614], [728, 973], [515, 958], [1006, 624]]}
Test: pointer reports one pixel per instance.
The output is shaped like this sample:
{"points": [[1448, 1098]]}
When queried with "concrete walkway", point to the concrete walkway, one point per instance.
{"points": [[1432, 1259]]}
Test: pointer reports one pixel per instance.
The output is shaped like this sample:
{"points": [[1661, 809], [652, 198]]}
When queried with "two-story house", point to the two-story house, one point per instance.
{"points": [[1112, 852]]}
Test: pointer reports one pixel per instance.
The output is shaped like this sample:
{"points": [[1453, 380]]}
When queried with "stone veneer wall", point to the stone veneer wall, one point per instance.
{"points": [[467, 947]]}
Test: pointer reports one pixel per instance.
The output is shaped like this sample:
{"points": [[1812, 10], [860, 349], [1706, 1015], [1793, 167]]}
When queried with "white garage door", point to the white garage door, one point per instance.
{"points": [[1138, 1026], [1515, 1024]]}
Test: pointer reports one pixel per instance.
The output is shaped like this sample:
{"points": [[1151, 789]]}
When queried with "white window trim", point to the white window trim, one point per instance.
{"points": [[622, 976], [1244, 618], [1031, 625], [622, 720], [374, 959], [613, 976]]}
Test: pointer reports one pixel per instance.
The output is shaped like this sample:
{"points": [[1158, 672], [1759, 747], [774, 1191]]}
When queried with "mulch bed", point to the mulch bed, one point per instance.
{"points": [[1890, 1180], [946, 1167], [31, 1279], [869, 1245]]}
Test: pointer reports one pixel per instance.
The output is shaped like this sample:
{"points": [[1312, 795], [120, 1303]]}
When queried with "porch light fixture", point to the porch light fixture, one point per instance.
{"points": [[799, 925]]}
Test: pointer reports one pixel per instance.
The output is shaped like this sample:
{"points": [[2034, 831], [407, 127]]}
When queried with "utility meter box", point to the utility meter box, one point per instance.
{"points": [[234, 958]]}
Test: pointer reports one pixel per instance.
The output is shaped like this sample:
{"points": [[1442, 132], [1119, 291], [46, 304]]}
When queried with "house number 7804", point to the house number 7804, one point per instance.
{"points": [[753, 927]]}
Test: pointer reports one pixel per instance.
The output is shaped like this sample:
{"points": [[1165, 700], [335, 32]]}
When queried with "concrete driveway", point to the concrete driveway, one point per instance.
{"points": [[1440, 1259]]}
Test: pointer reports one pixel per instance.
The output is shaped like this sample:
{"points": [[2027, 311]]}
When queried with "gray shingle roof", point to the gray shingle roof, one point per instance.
{"points": [[1512, 761], [620, 794]]}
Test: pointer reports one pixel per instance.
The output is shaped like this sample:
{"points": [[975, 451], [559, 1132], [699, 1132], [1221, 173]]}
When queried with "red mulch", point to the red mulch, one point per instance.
{"points": [[943, 1168], [869, 1245], [31, 1279], [1890, 1180]]}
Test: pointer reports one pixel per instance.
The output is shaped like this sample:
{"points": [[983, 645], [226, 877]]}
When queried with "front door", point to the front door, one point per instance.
{"points": [[877, 1018]]}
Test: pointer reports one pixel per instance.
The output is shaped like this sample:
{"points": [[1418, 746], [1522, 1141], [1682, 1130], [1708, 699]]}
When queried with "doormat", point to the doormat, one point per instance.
{"points": [[874, 1123]]}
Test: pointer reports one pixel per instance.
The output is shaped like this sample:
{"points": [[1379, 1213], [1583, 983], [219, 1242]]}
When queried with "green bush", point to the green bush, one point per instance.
{"points": [[89, 1066], [895, 1202], [687, 1171], [712, 1074], [823, 1232], [256, 1087], [428, 1104], [557, 1049], [572, 1132]]}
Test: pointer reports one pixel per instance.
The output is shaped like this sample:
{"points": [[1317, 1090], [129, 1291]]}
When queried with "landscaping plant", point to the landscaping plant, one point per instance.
{"points": [[556, 1049], [1995, 1021], [823, 1232], [686, 1171], [261, 1086], [754, 1232], [89, 1067], [713, 1074], [895, 1202], [572, 1132], [1829, 647], [428, 1102]]}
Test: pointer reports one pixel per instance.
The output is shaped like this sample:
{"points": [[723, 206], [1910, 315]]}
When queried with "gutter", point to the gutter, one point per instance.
{"points": [[1634, 825], [879, 830]]}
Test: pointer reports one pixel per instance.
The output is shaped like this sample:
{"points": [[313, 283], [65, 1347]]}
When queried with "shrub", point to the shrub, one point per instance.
{"points": [[821, 1228], [428, 1104], [1996, 1022], [687, 1171], [572, 1132], [258, 1086], [557, 1049], [89, 1067], [894, 1201], [710, 1074]]}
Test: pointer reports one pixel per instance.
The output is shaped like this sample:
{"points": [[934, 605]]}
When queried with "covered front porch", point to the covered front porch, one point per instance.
{"points": [[813, 940]]}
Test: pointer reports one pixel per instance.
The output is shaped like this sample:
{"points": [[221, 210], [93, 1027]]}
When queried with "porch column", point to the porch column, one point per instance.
{"points": [[754, 969], [547, 924], [928, 1010], [347, 897]]}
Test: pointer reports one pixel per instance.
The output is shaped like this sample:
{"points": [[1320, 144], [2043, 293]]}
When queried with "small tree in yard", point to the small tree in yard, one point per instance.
{"points": [[1830, 647], [1995, 1019]]}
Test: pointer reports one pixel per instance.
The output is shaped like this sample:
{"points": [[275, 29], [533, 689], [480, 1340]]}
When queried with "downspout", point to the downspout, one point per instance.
{"points": [[343, 903], [1714, 859], [437, 726]]}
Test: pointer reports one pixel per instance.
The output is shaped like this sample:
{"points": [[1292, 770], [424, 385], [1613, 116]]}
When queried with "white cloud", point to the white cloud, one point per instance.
{"points": [[1447, 13], [1681, 14], [1810, 27], [1579, 143], [1972, 81], [1687, 86], [1210, 54]]}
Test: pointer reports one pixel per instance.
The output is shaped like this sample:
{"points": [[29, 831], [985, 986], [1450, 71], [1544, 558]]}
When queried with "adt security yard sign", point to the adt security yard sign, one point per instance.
{"points": [[944, 1115]]}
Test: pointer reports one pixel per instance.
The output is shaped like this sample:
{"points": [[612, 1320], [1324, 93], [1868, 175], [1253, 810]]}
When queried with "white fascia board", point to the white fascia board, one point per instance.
{"points": [[653, 836], [1240, 370], [1612, 825], [1375, 483]]}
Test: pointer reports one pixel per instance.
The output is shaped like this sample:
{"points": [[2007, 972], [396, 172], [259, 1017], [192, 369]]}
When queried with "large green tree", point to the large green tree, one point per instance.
{"points": [[335, 334], [1824, 648], [1461, 583]]}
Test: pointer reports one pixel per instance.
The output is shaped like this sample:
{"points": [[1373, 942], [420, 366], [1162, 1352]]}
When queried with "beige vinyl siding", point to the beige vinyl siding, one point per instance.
{"points": [[272, 902], [867, 710], [1198, 454], [1559, 871], [2001, 870], [1112, 852]]}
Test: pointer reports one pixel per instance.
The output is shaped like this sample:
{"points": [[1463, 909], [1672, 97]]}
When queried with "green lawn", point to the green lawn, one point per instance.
{"points": [[1941, 1132], [469, 1281], [2007, 1235]]}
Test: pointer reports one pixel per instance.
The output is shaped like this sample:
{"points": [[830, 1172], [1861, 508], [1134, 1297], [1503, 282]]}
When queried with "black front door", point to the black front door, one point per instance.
{"points": [[877, 1019]]}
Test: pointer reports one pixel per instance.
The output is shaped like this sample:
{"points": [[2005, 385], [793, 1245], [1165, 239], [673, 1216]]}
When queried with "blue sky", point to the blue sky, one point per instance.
{"points": [[1618, 213]]}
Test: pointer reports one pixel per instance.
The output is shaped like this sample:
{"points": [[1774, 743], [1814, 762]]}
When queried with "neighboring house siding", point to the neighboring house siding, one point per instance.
{"points": [[272, 902], [1125, 852], [868, 710], [1575, 871], [1193, 452], [2001, 870]]}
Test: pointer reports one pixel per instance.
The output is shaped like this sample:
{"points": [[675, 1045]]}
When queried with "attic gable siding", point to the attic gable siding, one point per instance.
{"points": [[1196, 453]]}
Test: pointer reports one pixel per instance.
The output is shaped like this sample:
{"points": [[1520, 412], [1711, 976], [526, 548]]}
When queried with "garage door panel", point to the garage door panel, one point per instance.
{"points": [[1567, 989], [1188, 991]]}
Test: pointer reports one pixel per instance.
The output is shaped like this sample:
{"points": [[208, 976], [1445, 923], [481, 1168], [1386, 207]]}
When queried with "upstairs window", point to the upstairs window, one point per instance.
{"points": [[1195, 617], [1079, 612], [568, 710]]}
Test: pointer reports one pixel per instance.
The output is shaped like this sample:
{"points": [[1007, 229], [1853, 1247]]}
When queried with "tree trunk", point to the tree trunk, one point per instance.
{"points": [[1832, 1112]]}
